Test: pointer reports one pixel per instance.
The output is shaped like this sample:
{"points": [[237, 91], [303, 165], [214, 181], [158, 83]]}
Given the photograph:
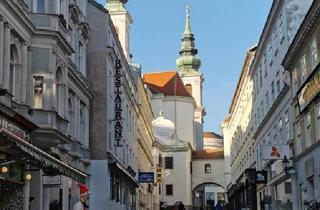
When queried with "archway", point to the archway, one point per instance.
{"points": [[206, 195]]}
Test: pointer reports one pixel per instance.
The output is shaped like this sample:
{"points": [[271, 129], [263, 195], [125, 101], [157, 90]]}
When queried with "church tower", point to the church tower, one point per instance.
{"points": [[188, 65], [122, 20]]}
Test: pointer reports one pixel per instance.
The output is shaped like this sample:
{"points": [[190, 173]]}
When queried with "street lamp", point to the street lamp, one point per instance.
{"points": [[285, 164]]}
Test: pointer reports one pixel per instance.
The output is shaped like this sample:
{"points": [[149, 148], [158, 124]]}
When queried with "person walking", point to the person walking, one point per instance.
{"points": [[218, 206], [181, 206]]}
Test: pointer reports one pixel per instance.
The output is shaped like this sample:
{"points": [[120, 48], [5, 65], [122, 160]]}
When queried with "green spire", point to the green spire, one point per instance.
{"points": [[187, 29], [188, 63], [116, 6]]}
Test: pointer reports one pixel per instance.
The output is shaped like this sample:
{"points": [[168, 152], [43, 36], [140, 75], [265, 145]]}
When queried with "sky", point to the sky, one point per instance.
{"points": [[224, 30]]}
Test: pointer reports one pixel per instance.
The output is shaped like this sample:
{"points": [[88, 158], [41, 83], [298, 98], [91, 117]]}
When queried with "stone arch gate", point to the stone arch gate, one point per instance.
{"points": [[207, 194]]}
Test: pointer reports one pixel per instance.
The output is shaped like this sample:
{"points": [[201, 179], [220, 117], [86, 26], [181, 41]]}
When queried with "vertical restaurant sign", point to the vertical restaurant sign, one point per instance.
{"points": [[118, 121]]}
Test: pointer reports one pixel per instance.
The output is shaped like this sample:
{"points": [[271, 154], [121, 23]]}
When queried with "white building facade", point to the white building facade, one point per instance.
{"points": [[267, 123]]}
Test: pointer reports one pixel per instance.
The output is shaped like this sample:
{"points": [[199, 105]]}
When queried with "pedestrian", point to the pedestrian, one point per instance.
{"points": [[84, 196], [218, 206], [181, 206]]}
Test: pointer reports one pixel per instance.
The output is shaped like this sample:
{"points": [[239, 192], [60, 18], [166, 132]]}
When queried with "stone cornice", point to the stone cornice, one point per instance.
{"points": [[307, 27]]}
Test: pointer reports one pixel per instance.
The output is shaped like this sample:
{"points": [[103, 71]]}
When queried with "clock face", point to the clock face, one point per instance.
{"points": [[163, 128]]}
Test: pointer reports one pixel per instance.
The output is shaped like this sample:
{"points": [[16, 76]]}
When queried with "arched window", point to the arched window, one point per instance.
{"points": [[60, 88], [189, 88], [15, 68]]}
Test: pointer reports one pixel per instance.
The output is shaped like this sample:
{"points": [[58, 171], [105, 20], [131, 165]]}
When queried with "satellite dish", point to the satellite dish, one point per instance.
{"points": [[162, 128]]}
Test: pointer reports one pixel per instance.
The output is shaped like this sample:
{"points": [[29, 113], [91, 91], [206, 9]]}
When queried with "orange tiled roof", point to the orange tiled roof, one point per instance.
{"points": [[211, 135], [208, 154], [169, 83]]}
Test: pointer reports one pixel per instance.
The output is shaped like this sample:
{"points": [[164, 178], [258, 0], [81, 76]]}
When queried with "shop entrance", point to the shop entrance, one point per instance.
{"points": [[11, 195]]}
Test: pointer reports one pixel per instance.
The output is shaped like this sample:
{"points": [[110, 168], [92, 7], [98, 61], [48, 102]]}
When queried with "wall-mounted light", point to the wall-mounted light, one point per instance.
{"points": [[28, 176], [4, 169]]}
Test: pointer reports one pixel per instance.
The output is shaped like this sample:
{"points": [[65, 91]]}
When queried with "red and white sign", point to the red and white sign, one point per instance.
{"points": [[14, 129], [276, 152]]}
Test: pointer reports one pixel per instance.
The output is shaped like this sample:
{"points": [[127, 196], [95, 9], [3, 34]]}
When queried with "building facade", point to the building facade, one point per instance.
{"points": [[120, 131], [173, 109], [264, 118], [302, 61], [45, 93]]}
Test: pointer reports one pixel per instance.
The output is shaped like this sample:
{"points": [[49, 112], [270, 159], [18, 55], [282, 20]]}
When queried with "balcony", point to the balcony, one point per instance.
{"points": [[49, 22], [52, 129]]}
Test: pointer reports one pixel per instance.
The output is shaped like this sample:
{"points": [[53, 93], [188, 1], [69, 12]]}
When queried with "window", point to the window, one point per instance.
{"points": [[169, 189], [314, 54], [308, 130], [189, 89], [295, 80], [15, 71], [287, 125], [298, 138], [71, 113], [287, 188], [267, 100], [82, 124], [278, 83], [169, 162], [207, 168], [272, 90], [40, 6], [280, 28], [160, 160], [37, 92], [80, 66], [60, 92], [260, 73], [303, 67], [318, 121]]}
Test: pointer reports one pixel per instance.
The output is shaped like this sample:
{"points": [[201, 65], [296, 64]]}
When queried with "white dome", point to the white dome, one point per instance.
{"points": [[163, 129]]}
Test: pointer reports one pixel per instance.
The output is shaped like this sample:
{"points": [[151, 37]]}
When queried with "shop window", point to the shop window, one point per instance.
{"points": [[169, 162], [169, 189], [207, 168], [37, 92]]}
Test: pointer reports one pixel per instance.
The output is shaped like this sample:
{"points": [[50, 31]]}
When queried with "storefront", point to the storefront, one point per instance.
{"points": [[20, 160], [243, 195]]}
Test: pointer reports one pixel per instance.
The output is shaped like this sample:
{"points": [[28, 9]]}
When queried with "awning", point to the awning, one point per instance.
{"points": [[124, 172], [46, 160]]}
